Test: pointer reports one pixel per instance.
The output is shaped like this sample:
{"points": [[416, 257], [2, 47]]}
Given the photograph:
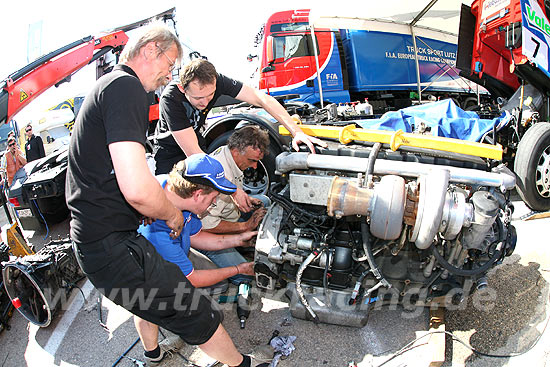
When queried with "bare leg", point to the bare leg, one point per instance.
{"points": [[221, 347], [148, 333]]}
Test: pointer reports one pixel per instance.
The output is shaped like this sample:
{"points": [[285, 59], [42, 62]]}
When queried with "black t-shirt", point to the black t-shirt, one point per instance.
{"points": [[34, 148], [177, 113], [115, 110]]}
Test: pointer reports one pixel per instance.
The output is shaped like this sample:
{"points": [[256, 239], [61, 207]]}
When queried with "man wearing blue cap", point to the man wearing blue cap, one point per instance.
{"points": [[192, 186]]}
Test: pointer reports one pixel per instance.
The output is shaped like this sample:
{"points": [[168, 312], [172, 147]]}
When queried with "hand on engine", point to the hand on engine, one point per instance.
{"points": [[247, 239], [246, 268], [256, 218], [242, 200], [302, 137]]}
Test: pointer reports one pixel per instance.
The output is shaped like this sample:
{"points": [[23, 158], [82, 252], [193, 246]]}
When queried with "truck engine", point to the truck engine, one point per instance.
{"points": [[356, 226]]}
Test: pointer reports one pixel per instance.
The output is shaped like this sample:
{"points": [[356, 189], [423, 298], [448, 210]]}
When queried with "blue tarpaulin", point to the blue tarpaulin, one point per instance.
{"points": [[444, 118]]}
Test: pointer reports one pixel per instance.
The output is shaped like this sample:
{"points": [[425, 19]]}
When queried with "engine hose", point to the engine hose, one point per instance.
{"points": [[311, 257], [370, 257], [370, 166], [357, 287], [471, 272], [467, 272], [325, 275]]}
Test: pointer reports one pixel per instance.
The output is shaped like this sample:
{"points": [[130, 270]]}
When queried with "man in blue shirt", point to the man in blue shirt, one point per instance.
{"points": [[184, 195], [192, 186]]}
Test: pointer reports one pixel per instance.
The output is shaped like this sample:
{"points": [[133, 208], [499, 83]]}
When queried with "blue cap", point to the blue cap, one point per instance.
{"points": [[205, 170]]}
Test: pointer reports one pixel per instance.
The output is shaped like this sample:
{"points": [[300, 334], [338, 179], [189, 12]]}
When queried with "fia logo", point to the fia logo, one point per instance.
{"points": [[332, 76]]}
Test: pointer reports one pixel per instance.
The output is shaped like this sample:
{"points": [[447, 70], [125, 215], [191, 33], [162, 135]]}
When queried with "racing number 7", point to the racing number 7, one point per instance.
{"points": [[536, 48]]}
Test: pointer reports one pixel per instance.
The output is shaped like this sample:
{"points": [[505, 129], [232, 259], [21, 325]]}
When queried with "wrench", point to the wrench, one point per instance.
{"points": [[136, 362]]}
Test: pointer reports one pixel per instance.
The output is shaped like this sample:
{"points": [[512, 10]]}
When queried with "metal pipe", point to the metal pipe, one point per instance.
{"points": [[422, 13], [301, 161], [411, 25], [313, 40], [418, 85]]}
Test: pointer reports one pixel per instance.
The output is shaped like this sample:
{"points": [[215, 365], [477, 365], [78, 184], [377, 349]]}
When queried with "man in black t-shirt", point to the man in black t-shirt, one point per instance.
{"points": [[34, 147], [184, 105], [181, 119], [109, 189]]}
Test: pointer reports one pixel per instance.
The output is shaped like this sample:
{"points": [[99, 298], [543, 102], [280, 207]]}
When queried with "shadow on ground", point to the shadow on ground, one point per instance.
{"points": [[500, 319]]}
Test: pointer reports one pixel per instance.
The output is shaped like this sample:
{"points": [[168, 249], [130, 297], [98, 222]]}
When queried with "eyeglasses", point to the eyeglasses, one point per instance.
{"points": [[27, 130], [172, 63], [11, 144]]}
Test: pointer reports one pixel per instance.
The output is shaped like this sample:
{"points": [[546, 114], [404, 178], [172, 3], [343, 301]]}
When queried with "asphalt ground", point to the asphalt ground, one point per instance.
{"points": [[513, 317]]}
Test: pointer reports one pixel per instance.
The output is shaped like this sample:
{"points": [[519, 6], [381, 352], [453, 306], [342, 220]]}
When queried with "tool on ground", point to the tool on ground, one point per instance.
{"points": [[243, 303], [125, 352], [136, 362], [227, 299]]}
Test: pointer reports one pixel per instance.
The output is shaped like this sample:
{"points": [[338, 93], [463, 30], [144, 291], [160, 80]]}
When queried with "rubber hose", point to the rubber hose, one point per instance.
{"points": [[471, 272], [370, 257], [299, 290], [372, 158]]}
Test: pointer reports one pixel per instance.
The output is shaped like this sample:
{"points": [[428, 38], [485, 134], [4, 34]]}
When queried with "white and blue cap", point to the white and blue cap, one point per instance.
{"points": [[205, 170]]}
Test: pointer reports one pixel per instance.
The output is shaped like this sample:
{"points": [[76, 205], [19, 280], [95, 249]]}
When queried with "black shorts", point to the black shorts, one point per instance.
{"points": [[126, 268], [165, 160]]}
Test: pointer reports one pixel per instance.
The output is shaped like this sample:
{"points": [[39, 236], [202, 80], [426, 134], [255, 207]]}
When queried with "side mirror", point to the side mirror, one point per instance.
{"points": [[268, 68]]}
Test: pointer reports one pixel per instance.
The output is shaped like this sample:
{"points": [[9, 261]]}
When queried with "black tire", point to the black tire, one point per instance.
{"points": [[256, 181], [469, 104], [532, 167]]}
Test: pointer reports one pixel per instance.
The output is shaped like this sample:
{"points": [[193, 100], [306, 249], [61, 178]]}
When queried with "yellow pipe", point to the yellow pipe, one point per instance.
{"points": [[395, 139]]}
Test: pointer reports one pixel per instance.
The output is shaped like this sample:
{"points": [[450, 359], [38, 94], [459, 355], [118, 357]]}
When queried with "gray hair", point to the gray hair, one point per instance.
{"points": [[155, 32], [249, 136]]}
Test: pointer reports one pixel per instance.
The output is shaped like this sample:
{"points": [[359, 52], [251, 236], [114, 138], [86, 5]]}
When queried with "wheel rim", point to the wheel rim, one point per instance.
{"points": [[256, 181], [543, 174]]}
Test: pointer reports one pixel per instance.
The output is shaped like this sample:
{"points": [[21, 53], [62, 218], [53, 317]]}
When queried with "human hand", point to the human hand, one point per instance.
{"points": [[256, 218], [175, 224], [242, 200], [246, 239], [246, 268], [147, 220], [302, 137]]}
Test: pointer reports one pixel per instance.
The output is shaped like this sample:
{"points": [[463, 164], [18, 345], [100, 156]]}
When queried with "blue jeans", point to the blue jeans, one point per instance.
{"points": [[228, 257]]}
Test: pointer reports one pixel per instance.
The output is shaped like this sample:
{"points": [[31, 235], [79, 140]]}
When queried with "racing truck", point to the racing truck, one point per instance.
{"points": [[504, 46]]}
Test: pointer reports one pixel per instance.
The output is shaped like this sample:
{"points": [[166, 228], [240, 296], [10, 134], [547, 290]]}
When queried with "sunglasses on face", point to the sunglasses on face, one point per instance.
{"points": [[11, 145], [28, 130]]}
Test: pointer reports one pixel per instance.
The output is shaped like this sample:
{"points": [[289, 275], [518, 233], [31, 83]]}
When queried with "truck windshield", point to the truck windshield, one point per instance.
{"points": [[286, 27], [286, 47]]}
